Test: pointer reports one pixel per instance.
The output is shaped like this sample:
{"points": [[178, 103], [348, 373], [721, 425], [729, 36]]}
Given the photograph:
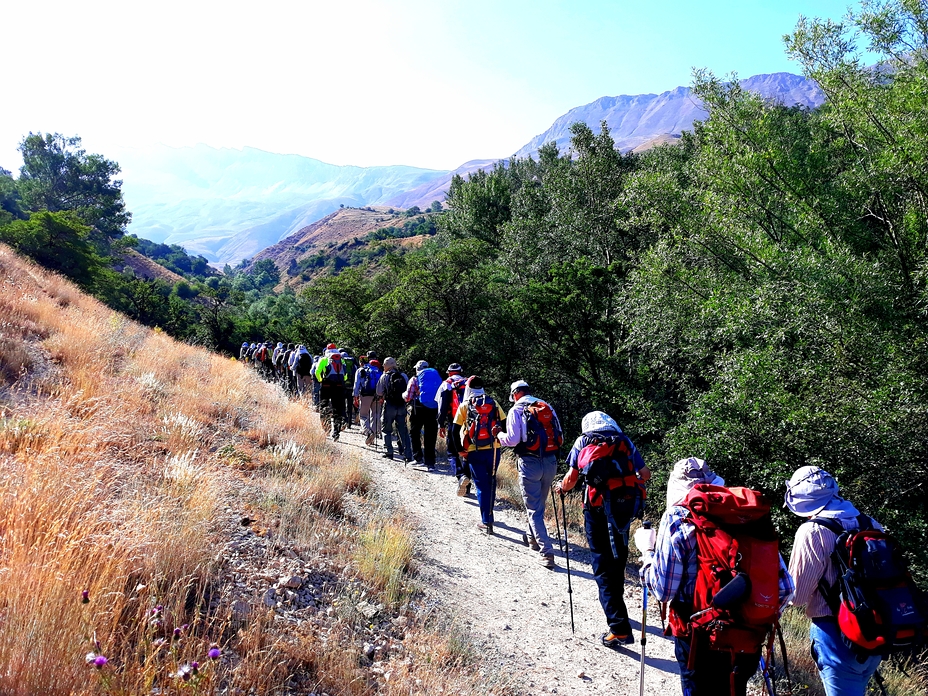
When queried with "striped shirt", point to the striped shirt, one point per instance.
{"points": [[811, 560], [672, 574]]}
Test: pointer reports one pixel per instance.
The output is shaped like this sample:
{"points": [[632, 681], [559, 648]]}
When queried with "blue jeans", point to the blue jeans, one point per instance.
{"points": [[841, 672], [482, 467], [395, 416], [536, 474]]}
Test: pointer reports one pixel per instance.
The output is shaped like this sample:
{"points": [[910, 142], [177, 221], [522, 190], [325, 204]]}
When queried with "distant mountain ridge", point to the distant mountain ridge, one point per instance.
{"points": [[634, 120], [229, 204]]}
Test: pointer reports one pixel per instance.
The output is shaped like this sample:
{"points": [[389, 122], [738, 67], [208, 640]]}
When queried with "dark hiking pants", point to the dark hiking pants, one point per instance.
{"points": [[332, 402], [608, 568], [423, 422], [713, 669]]}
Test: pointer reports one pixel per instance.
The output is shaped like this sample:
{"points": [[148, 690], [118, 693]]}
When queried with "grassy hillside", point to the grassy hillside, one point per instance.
{"points": [[348, 237], [160, 502]]}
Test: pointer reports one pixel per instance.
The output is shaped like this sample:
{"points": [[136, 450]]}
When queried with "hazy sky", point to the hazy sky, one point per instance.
{"points": [[430, 83]]}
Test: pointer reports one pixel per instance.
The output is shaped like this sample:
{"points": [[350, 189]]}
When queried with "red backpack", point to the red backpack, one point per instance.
{"points": [[737, 546], [543, 434], [482, 416]]}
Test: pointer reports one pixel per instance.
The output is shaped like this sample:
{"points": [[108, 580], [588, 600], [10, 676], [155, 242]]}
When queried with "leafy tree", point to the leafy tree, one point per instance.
{"points": [[435, 207], [9, 198], [59, 241], [57, 175]]}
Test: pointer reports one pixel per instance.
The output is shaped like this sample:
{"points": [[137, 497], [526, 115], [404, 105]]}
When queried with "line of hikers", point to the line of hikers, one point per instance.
{"points": [[714, 560]]}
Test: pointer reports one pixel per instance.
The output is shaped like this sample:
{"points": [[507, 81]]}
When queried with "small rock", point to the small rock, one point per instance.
{"points": [[241, 609], [246, 521], [270, 597], [581, 674], [400, 621], [294, 582], [368, 650]]}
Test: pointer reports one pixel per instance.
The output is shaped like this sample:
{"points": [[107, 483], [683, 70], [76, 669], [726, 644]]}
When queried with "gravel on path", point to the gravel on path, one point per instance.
{"points": [[515, 609]]}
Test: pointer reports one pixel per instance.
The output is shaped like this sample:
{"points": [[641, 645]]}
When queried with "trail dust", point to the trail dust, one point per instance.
{"points": [[514, 610]]}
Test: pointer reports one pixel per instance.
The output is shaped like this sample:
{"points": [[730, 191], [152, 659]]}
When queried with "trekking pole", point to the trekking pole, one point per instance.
{"points": [[570, 589], [766, 673], [644, 635], [644, 622], [557, 523]]}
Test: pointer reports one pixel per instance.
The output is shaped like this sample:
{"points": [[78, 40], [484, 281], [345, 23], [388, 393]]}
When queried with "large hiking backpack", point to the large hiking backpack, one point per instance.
{"points": [[370, 375], [396, 385], [737, 544], [304, 364], [879, 608], [260, 354], [543, 434], [457, 394], [429, 382], [482, 417], [607, 467], [335, 371]]}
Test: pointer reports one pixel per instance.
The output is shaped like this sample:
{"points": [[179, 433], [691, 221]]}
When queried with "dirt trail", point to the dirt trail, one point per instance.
{"points": [[515, 608]]}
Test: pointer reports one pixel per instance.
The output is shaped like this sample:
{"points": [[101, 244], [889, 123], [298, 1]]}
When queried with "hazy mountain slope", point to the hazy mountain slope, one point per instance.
{"points": [[636, 119], [436, 189], [201, 197]]}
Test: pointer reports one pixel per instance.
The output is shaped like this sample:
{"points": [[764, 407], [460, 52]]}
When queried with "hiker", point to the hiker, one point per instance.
{"points": [[365, 396], [450, 397], [243, 352], [476, 425], [330, 374], [671, 566], [348, 363], [534, 431], [812, 493], [315, 382], [608, 510], [301, 366], [390, 388], [421, 395], [288, 376]]}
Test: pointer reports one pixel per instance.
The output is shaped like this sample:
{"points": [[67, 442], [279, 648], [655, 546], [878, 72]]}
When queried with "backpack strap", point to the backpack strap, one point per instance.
{"points": [[830, 593]]}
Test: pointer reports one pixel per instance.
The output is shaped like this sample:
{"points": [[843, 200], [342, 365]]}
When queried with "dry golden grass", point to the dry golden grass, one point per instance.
{"points": [[384, 556], [119, 448]]}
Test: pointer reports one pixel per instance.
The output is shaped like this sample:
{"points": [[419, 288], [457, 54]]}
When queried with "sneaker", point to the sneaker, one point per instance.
{"points": [[547, 560], [611, 640], [463, 486], [369, 440], [531, 543], [485, 528], [386, 455], [335, 437]]}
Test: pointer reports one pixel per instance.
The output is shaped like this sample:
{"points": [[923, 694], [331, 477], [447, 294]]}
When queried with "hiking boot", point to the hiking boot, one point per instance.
{"points": [[485, 528], [369, 440], [547, 560], [531, 543], [611, 640], [386, 455], [335, 437], [463, 486]]}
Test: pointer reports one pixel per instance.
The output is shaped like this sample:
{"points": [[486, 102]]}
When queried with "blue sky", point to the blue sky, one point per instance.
{"points": [[430, 83]]}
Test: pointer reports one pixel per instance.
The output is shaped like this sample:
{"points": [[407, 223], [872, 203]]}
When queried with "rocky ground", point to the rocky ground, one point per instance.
{"points": [[511, 608]]}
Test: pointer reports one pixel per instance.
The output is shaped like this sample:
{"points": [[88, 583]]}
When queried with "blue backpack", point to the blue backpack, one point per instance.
{"points": [[429, 382], [369, 381]]}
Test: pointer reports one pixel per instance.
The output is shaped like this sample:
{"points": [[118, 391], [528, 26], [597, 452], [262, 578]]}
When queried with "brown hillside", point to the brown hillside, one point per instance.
{"points": [[340, 226], [662, 139], [171, 523], [144, 267]]}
